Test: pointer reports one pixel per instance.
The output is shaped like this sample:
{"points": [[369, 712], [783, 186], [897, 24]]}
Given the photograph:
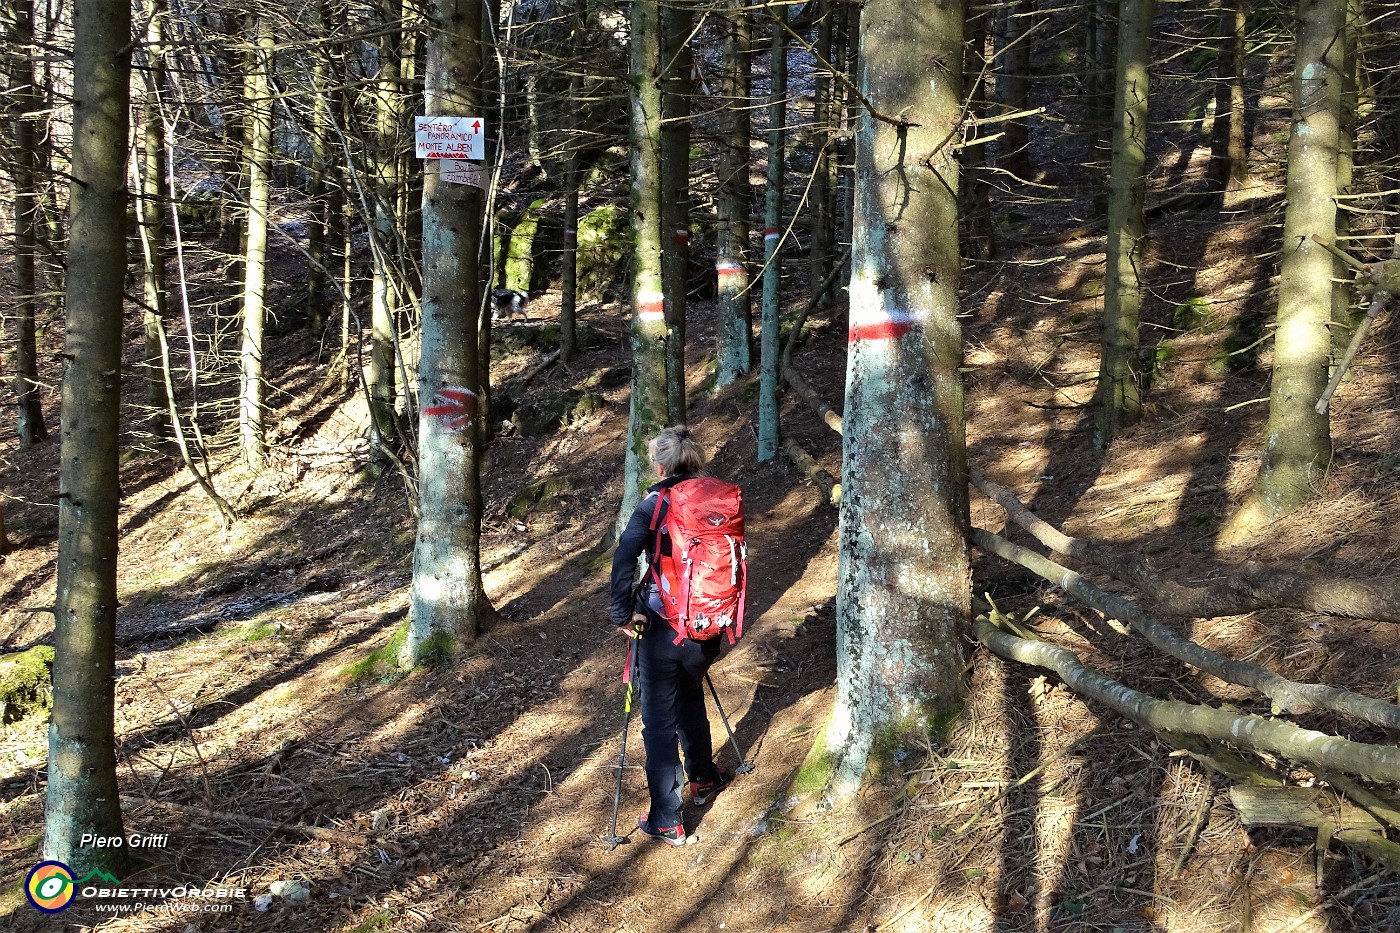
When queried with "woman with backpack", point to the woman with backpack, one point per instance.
{"points": [[670, 667]]}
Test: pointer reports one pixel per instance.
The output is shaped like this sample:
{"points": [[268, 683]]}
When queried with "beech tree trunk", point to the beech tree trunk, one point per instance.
{"points": [[768, 349], [1297, 441], [82, 779], [647, 411], [449, 602], [259, 168], [1118, 398], [903, 600], [735, 325], [24, 174]]}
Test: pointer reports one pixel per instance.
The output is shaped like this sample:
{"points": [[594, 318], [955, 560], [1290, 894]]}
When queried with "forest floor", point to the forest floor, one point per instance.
{"points": [[474, 795], [261, 729]]}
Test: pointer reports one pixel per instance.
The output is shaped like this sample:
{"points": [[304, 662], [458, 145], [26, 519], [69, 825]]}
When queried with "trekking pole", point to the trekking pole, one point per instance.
{"points": [[744, 766], [613, 838]]}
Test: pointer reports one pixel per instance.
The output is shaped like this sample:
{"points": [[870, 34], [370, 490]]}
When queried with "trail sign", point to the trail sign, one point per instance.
{"points": [[462, 172], [450, 137]]}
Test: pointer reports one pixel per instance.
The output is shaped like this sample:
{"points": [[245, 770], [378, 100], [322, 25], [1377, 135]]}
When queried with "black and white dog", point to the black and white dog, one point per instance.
{"points": [[506, 303]]}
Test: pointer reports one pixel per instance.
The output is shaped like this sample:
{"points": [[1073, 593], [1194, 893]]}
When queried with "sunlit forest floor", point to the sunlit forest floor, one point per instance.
{"points": [[260, 725]]}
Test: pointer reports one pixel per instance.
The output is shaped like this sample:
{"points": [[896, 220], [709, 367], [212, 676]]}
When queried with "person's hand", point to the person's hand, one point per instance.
{"points": [[634, 628]]}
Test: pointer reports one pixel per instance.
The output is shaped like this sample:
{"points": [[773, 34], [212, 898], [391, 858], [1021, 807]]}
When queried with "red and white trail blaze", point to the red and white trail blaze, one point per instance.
{"points": [[456, 407], [878, 324], [651, 306]]}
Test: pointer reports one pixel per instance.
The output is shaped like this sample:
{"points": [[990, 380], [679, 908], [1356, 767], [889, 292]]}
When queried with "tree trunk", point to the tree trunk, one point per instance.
{"points": [[734, 327], [768, 375], [383, 294], [449, 601], [82, 778], [1297, 443], [1229, 167], [823, 106], [24, 172], [675, 202], [259, 96], [1345, 315], [1099, 35], [324, 159], [153, 226], [1118, 399], [573, 178], [647, 410], [901, 617], [975, 189], [1013, 86]]}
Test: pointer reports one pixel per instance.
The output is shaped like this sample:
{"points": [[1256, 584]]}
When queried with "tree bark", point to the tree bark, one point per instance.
{"points": [[768, 375], [901, 617], [573, 178], [980, 242], [82, 779], [24, 174], [1118, 399], [449, 603], [259, 167], [383, 290], [734, 328], [1297, 442], [647, 410], [823, 107]]}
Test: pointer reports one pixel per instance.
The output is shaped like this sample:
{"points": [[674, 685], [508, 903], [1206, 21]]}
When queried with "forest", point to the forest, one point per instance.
{"points": [[1051, 347]]}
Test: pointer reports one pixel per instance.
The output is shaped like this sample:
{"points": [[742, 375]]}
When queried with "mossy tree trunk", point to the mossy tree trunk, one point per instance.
{"points": [[1297, 441], [449, 602], [24, 167], [259, 168], [904, 594], [769, 378], [734, 327], [1118, 398], [647, 411], [82, 780]]}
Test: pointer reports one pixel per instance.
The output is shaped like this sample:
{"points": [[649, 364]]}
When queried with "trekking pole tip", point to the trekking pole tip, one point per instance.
{"points": [[744, 768]]}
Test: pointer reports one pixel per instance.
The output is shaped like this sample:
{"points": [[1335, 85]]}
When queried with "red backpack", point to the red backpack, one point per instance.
{"points": [[704, 580]]}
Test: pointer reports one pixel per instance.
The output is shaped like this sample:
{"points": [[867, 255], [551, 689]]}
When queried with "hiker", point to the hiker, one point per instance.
{"points": [[670, 668]]}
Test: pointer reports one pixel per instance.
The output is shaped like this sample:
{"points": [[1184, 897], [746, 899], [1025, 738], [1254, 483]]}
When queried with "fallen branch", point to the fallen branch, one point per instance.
{"points": [[823, 410], [1287, 695], [812, 470], [1254, 733], [1257, 587], [538, 368], [1333, 818]]}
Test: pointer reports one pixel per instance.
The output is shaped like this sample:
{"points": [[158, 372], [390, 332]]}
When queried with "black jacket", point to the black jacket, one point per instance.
{"points": [[637, 539]]}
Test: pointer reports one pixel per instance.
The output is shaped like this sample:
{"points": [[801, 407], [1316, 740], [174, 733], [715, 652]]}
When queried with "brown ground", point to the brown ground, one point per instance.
{"points": [[473, 796]]}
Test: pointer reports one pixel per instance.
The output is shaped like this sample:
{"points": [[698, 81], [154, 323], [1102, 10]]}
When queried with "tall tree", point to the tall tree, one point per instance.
{"points": [[387, 183], [1297, 439], [81, 797], [903, 599], [768, 376], [1229, 167], [1118, 398], [823, 106], [152, 220], [258, 161], [573, 180], [24, 174], [1013, 84], [734, 326], [449, 601], [676, 19], [647, 410]]}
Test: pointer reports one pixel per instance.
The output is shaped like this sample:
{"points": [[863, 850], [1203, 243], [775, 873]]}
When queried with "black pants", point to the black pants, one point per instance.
{"points": [[674, 721]]}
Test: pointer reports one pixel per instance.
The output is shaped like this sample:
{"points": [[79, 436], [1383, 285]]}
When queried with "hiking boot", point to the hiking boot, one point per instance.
{"points": [[671, 835], [702, 792]]}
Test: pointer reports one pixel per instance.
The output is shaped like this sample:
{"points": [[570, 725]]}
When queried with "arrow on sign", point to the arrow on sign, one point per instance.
{"points": [[476, 126], [455, 406]]}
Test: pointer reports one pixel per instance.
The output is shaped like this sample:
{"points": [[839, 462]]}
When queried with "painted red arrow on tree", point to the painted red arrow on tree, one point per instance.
{"points": [[455, 406]]}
